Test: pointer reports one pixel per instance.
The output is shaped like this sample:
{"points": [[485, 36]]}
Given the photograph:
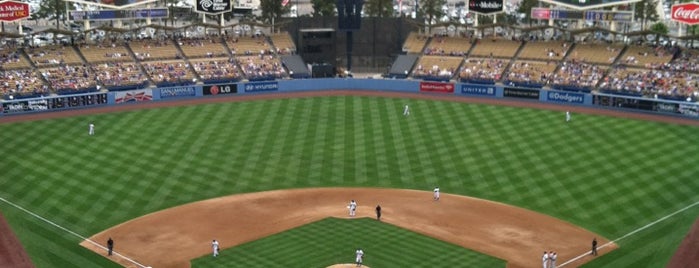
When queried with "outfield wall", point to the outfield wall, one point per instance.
{"points": [[52, 103]]}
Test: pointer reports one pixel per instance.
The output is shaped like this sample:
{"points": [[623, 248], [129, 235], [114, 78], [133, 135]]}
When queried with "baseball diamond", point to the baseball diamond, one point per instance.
{"points": [[246, 155]]}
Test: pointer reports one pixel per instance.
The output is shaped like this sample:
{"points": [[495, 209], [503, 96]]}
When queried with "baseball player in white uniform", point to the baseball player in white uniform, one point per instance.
{"points": [[552, 257], [406, 110], [435, 195], [359, 257], [545, 259], [352, 208], [215, 247], [91, 129], [567, 116]]}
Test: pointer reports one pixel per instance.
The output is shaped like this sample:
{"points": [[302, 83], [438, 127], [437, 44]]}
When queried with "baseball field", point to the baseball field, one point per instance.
{"points": [[633, 182]]}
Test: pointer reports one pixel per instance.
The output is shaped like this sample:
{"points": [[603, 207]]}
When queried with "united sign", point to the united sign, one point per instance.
{"points": [[13, 10], [687, 13]]}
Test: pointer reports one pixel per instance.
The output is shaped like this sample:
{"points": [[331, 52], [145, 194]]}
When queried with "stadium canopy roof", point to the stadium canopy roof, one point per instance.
{"points": [[645, 32], [592, 29], [99, 3]]}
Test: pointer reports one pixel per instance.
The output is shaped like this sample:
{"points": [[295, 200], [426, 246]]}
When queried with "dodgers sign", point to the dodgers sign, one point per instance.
{"points": [[261, 86], [478, 90], [566, 97]]}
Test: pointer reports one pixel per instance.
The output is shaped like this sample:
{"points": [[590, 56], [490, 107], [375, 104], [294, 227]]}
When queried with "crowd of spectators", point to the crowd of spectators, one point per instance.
{"points": [[21, 82], [217, 70], [433, 71], [482, 70], [70, 78], [530, 73], [652, 82], [119, 74], [169, 73], [576, 74], [9, 57], [261, 67], [686, 61]]}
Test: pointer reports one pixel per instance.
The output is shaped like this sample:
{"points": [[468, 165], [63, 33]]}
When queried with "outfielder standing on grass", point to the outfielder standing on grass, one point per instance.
{"points": [[359, 258], [406, 110], [91, 129]]}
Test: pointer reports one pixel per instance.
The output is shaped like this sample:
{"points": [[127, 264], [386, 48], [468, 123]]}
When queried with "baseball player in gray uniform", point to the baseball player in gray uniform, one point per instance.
{"points": [[352, 208]]}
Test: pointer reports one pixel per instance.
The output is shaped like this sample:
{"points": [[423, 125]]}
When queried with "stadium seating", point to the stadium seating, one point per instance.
{"points": [[169, 73], [217, 70], [448, 46], [414, 43], [530, 73], [603, 54], [283, 43], [248, 45], [647, 57], [578, 75], [11, 58], [437, 67], [544, 51], [496, 48], [203, 47], [21, 82], [482, 71], [155, 49], [53, 55], [261, 67]]}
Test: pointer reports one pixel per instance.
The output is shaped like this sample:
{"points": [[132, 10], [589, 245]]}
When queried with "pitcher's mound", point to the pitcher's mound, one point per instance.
{"points": [[346, 265]]}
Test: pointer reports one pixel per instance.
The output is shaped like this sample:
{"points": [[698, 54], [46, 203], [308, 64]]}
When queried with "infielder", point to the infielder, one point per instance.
{"points": [[214, 247], [552, 257], [91, 129], [359, 256], [352, 208], [406, 110], [567, 116], [436, 194], [545, 259]]}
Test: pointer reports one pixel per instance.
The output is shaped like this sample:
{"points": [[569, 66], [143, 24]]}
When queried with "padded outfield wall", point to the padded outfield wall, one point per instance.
{"points": [[86, 100]]}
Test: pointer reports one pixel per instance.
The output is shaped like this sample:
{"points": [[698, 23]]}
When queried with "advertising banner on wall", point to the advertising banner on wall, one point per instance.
{"points": [[478, 90], [511, 92], [221, 89], [51, 103], [567, 97], [436, 87], [133, 96], [176, 92], [261, 86]]}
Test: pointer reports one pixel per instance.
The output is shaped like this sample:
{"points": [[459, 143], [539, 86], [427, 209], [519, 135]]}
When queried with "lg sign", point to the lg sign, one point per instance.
{"points": [[13, 10], [687, 13]]}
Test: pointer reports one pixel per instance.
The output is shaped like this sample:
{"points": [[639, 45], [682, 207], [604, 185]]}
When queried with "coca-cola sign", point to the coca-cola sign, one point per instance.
{"points": [[687, 13], [485, 6]]}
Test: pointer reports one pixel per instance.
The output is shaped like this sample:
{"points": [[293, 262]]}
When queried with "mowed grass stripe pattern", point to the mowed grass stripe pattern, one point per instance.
{"points": [[334, 241], [609, 175]]}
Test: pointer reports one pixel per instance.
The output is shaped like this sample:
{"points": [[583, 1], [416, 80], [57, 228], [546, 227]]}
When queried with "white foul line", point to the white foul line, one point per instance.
{"points": [[69, 231], [632, 233]]}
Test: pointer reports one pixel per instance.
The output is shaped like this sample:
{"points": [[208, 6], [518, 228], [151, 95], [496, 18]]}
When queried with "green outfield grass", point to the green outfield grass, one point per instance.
{"points": [[333, 241], [609, 175]]}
